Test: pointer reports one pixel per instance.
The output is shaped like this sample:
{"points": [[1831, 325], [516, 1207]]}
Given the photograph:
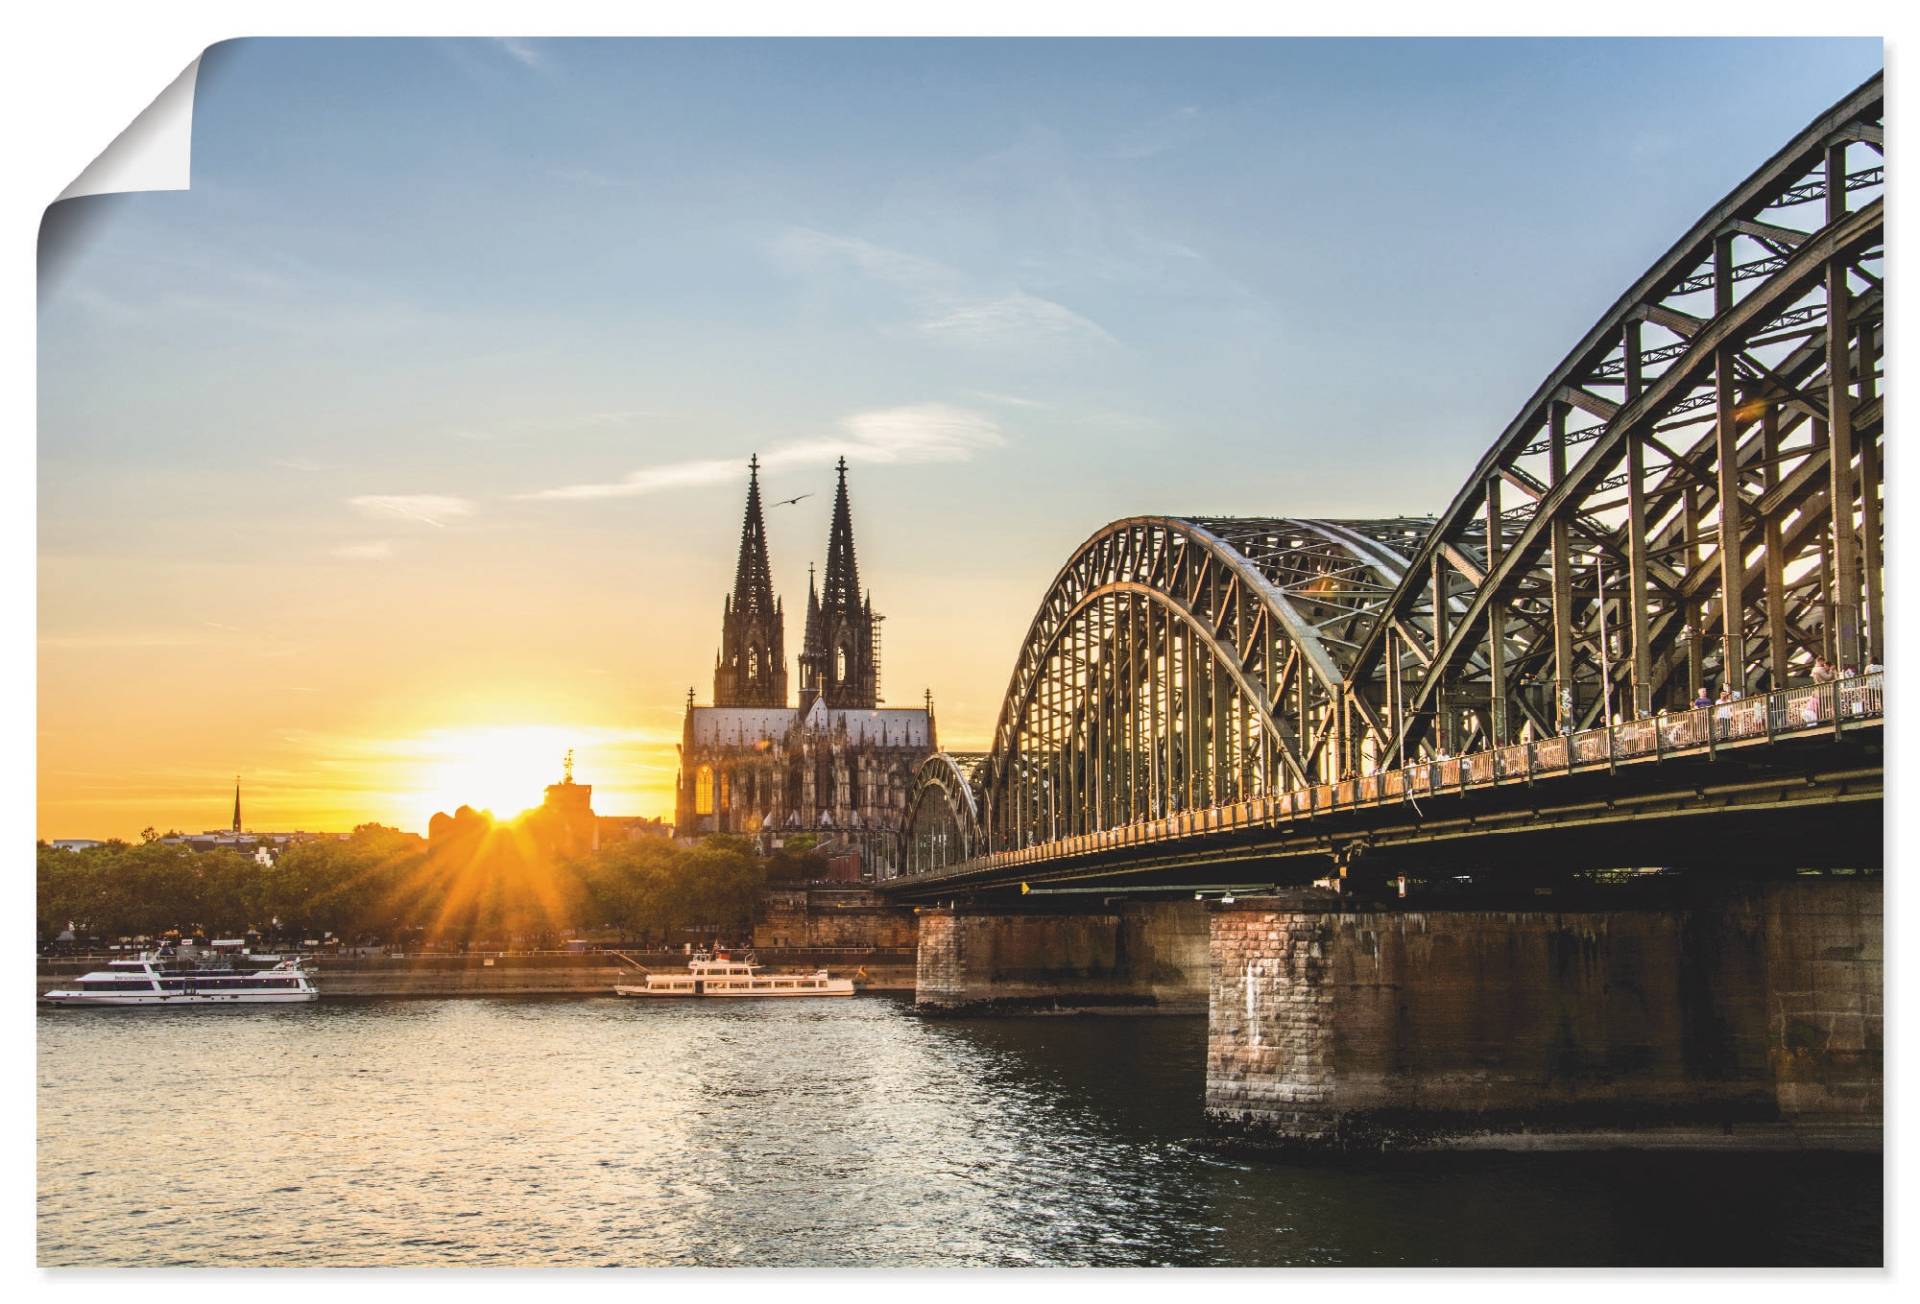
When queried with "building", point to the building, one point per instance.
{"points": [[264, 848], [750, 668], [566, 815], [631, 828], [837, 764], [563, 825]]}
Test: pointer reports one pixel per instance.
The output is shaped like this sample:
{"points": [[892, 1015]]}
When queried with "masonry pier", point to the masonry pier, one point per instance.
{"points": [[1134, 956], [1736, 1014]]}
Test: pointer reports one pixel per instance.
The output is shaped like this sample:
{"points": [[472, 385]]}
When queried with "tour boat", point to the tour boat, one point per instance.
{"points": [[720, 976], [152, 980]]}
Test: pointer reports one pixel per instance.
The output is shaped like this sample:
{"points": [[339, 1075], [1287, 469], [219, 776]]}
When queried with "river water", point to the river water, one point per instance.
{"points": [[827, 1133]]}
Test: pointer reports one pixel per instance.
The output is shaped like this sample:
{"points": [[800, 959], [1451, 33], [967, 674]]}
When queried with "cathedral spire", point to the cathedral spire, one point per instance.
{"points": [[752, 669], [843, 569], [236, 803], [839, 660], [752, 576]]}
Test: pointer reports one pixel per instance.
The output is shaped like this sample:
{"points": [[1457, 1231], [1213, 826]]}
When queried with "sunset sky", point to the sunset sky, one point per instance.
{"points": [[406, 450]]}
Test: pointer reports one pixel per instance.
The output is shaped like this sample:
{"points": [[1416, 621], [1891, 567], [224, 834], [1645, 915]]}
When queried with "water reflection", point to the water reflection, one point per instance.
{"points": [[602, 1132]]}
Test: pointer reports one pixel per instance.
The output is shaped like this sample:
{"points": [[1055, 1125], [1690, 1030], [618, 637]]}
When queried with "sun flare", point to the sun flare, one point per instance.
{"points": [[503, 769]]}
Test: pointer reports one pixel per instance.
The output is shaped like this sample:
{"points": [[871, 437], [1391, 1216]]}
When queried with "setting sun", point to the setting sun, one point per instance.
{"points": [[503, 769]]}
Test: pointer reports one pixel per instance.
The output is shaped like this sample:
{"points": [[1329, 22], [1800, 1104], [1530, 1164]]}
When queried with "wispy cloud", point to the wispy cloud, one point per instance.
{"points": [[1011, 400], [920, 432], [948, 304], [649, 479], [427, 509], [616, 417], [1013, 316], [1162, 134], [119, 639], [515, 434], [526, 52], [377, 550], [180, 289]]}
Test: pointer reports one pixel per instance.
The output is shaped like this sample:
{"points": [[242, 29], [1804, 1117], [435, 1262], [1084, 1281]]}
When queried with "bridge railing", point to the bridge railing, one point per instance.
{"points": [[1830, 706]]}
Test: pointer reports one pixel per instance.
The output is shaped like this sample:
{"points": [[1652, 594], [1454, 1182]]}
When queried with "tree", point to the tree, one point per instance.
{"points": [[475, 880], [789, 864]]}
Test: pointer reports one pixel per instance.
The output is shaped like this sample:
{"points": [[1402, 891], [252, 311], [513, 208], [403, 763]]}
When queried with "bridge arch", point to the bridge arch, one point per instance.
{"points": [[1177, 662], [943, 816], [1660, 517], [1583, 568]]}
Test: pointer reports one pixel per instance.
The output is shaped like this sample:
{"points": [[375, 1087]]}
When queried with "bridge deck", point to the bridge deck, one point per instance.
{"points": [[1824, 711]]}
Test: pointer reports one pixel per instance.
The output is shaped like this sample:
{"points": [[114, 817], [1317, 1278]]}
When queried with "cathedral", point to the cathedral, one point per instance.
{"points": [[837, 764]]}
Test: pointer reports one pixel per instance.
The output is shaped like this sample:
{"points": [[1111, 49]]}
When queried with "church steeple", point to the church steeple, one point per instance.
{"points": [[751, 669], [236, 803], [843, 569], [840, 660]]}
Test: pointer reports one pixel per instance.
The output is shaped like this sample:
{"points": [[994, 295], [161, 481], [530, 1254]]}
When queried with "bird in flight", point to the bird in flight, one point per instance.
{"points": [[788, 502]]}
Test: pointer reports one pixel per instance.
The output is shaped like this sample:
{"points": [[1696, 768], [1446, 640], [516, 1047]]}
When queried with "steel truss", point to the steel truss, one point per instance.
{"points": [[1175, 663], [1733, 393]]}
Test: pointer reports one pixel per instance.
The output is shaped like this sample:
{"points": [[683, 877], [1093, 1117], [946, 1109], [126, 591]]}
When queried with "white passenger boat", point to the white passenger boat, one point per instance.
{"points": [[720, 976], [162, 979]]}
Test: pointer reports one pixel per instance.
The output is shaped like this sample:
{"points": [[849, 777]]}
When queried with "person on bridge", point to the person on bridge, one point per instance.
{"points": [[1723, 709], [1701, 701]]}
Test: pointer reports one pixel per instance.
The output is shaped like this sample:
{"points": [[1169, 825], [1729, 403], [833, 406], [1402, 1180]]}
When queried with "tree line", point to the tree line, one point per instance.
{"points": [[501, 884]]}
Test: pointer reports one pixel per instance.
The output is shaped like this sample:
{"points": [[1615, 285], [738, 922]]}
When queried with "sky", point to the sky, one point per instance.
{"points": [[406, 449]]}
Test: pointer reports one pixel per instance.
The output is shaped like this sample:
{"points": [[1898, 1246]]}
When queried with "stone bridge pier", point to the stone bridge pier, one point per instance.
{"points": [[1747, 1015], [1136, 956]]}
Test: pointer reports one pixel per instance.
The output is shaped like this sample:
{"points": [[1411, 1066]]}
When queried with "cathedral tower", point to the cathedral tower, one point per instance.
{"points": [[751, 668], [840, 658]]}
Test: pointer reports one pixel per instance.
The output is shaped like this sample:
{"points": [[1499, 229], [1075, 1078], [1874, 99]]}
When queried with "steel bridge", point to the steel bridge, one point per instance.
{"points": [[1657, 520]]}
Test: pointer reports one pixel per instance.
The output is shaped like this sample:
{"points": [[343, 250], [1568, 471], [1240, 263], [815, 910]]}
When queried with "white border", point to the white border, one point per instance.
{"points": [[78, 74], [155, 152]]}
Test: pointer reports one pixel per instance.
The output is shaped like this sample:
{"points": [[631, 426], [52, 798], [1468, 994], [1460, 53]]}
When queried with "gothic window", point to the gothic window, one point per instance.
{"points": [[703, 791], [841, 664], [753, 664]]}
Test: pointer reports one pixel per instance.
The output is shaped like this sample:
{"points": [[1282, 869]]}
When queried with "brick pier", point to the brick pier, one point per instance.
{"points": [[1142, 957], [1751, 1019]]}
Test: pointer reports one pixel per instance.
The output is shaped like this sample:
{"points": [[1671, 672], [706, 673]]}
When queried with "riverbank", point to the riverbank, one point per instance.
{"points": [[536, 974]]}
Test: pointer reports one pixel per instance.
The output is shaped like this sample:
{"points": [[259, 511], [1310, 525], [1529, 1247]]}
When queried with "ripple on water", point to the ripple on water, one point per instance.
{"points": [[795, 1133]]}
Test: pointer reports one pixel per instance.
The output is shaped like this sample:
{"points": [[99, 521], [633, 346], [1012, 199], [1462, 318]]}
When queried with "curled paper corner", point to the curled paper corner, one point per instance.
{"points": [[155, 152]]}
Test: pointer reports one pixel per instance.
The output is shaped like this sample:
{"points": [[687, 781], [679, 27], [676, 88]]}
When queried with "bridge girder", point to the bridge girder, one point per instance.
{"points": [[1581, 571], [1177, 662]]}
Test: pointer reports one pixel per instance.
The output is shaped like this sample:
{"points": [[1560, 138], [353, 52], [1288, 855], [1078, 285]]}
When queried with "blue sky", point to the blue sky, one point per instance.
{"points": [[425, 407]]}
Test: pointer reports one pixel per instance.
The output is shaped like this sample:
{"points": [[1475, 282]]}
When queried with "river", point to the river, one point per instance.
{"points": [[823, 1133]]}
